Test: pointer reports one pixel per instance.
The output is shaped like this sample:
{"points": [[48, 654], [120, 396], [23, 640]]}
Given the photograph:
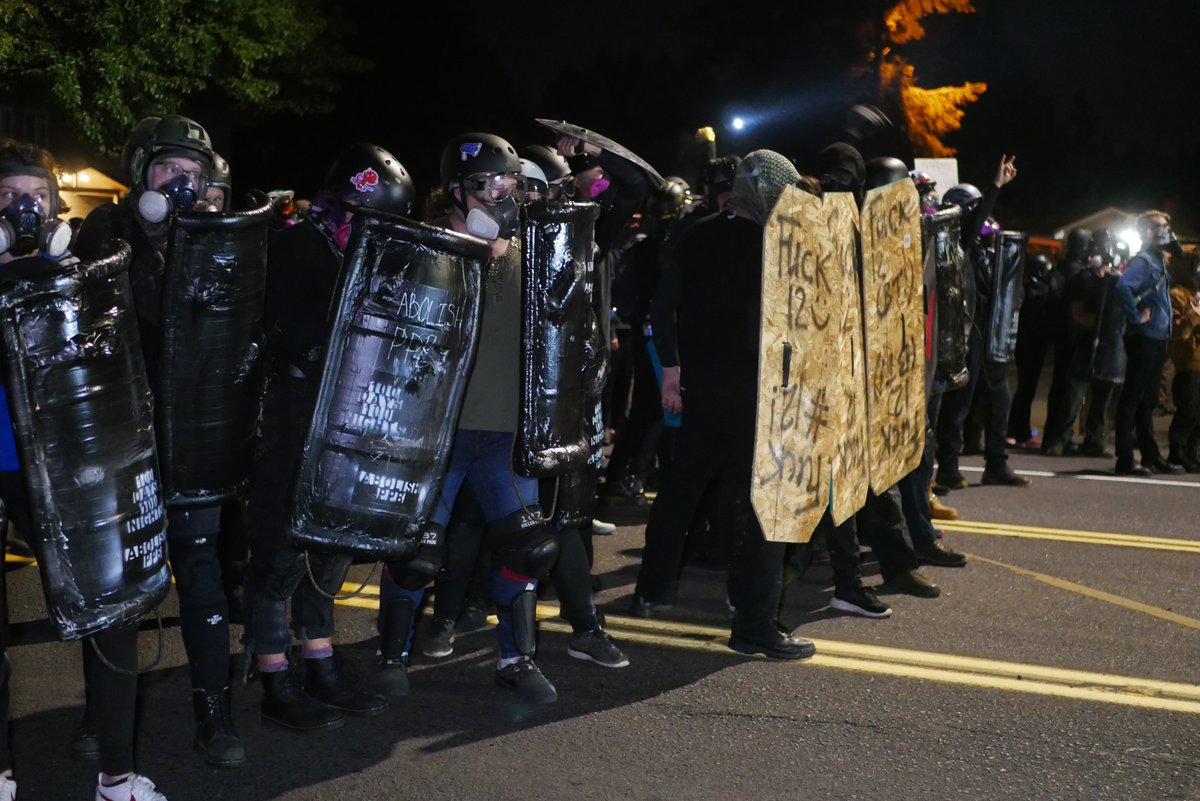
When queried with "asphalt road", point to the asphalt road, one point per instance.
{"points": [[1061, 663]]}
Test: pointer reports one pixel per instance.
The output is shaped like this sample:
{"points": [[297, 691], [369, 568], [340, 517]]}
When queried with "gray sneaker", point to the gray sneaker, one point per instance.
{"points": [[595, 645], [524, 679], [439, 642]]}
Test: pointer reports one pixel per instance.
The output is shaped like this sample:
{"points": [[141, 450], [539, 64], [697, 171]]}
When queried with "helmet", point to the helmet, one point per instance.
{"points": [[220, 173], [165, 136], [533, 178], [1077, 244], [668, 200], [885, 170], [923, 181], [374, 177], [1037, 268], [964, 195], [548, 159], [475, 154]]}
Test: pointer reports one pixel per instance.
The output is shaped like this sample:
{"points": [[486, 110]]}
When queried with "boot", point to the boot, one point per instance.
{"points": [[939, 510], [215, 737], [391, 671], [285, 704], [326, 682]]}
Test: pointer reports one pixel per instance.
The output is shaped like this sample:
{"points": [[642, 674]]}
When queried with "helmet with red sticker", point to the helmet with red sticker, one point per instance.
{"points": [[367, 175]]}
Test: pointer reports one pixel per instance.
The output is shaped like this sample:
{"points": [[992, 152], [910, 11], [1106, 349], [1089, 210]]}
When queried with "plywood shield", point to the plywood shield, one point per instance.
{"points": [[801, 408], [895, 331]]}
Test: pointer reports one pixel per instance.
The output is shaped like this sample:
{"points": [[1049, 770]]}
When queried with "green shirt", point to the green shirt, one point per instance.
{"points": [[493, 389]]}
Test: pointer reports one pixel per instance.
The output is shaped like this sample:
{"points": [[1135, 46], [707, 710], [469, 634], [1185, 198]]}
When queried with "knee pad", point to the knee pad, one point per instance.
{"points": [[526, 545], [196, 568], [429, 559]]}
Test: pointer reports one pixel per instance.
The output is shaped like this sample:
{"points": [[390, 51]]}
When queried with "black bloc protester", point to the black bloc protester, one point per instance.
{"points": [[405, 324], [84, 423], [210, 372], [556, 316], [1008, 264], [953, 317]]}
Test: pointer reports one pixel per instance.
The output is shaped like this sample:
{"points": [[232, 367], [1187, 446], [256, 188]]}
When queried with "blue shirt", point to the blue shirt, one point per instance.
{"points": [[1144, 285]]}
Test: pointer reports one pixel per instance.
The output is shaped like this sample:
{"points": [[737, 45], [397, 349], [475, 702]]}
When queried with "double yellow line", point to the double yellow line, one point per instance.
{"points": [[882, 660], [1067, 535]]}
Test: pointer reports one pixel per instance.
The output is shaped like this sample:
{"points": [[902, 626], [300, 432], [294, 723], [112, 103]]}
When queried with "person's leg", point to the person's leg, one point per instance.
{"points": [[956, 405], [1095, 431], [1154, 352], [994, 383], [1136, 375], [110, 665], [1030, 355]]}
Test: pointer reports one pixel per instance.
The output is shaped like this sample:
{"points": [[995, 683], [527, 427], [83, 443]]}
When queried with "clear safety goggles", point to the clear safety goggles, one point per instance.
{"points": [[493, 187]]}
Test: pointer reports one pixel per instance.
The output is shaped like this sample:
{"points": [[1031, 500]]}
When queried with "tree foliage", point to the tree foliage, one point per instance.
{"points": [[107, 63]]}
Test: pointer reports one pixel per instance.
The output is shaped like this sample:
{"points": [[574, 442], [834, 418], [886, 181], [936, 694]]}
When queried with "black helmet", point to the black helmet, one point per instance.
{"points": [[553, 165], [374, 177], [963, 195], [1077, 244], [475, 154], [885, 170], [165, 136], [220, 173], [668, 200]]}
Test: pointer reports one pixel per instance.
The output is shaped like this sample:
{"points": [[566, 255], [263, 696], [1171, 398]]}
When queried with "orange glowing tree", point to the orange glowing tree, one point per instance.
{"points": [[929, 114]]}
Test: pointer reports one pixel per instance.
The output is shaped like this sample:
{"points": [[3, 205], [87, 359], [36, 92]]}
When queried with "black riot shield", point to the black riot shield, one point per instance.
{"points": [[209, 373], [555, 317], [952, 319], [84, 423], [1000, 333], [1108, 359], [603, 142], [405, 322]]}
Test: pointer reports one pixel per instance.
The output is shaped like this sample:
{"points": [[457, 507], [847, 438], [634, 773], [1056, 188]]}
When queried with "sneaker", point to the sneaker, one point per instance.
{"points": [[135, 787], [1157, 464], [602, 528], [644, 609], [527, 682], [912, 583], [950, 479], [8, 789], [1128, 468], [776, 645], [473, 617], [439, 643], [86, 742], [940, 511], [595, 645], [860, 601], [1003, 476], [939, 555]]}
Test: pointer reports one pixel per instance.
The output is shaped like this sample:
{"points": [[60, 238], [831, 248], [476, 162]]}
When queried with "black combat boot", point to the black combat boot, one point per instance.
{"points": [[285, 704], [326, 682], [215, 737], [391, 671]]}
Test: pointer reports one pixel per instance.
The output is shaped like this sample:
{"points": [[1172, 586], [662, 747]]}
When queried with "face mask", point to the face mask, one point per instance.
{"points": [[598, 186], [25, 229], [155, 205], [341, 237], [494, 222]]}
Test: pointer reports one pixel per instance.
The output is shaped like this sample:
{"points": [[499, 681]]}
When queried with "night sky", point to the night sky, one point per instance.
{"points": [[1098, 100]]}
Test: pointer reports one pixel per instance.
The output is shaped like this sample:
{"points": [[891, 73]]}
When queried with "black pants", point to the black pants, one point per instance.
{"points": [[1033, 342], [5, 665], [715, 453], [111, 695], [880, 525], [192, 544], [990, 378], [572, 574], [278, 571], [1139, 396], [1184, 434], [1064, 401], [645, 409], [1098, 420], [464, 578]]}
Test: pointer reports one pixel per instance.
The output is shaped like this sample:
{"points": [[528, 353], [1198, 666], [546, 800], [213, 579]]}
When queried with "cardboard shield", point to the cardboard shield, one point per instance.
{"points": [[801, 450], [603, 142], [894, 319]]}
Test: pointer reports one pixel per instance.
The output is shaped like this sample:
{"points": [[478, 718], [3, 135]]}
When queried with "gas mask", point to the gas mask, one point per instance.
{"points": [[24, 228], [494, 222], [178, 194], [598, 186]]}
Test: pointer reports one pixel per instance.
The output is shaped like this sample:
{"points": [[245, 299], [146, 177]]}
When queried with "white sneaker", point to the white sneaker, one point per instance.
{"points": [[601, 527], [136, 788], [8, 789]]}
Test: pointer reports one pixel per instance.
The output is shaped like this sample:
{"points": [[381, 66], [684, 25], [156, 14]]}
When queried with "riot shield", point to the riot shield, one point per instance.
{"points": [[895, 331], [951, 324], [810, 425], [603, 142], [84, 423], [555, 317], [405, 322], [1000, 335], [209, 372]]}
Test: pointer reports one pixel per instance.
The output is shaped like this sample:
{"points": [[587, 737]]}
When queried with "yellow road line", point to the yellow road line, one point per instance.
{"points": [[899, 662], [1068, 535], [1099, 595]]}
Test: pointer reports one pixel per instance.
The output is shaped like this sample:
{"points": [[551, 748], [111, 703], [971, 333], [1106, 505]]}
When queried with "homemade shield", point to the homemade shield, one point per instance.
{"points": [[603, 142], [84, 423], [394, 372], [950, 328], [209, 375], [1000, 335]]}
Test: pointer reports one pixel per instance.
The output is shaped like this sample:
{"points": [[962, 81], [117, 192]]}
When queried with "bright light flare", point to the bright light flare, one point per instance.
{"points": [[738, 123], [1130, 237]]}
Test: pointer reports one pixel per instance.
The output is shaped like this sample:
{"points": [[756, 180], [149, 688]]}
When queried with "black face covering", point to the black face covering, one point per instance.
{"points": [[494, 222], [25, 228]]}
